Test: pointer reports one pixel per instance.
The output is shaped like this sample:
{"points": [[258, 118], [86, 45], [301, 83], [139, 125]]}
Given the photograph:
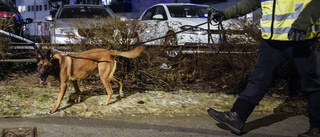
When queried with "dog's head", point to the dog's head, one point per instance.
{"points": [[45, 65]]}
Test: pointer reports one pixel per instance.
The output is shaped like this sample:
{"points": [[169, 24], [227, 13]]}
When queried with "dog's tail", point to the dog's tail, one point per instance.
{"points": [[129, 54]]}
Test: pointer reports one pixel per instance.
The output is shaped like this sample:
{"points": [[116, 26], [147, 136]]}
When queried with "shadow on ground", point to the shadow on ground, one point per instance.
{"points": [[289, 108], [86, 94]]}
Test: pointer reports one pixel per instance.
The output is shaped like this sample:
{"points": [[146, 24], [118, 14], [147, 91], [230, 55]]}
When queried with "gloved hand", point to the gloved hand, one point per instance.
{"points": [[217, 16], [296, 34]]}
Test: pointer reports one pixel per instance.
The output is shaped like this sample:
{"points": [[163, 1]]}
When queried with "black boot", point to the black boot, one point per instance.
{"points": [[230, 119], [312, 132]]}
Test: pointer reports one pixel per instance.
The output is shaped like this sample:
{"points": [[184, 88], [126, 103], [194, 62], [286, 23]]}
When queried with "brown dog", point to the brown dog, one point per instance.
{"points": [[71, 67]]}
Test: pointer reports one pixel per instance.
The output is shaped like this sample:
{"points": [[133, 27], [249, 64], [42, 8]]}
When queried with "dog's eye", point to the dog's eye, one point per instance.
{"points": [[46, 67], [40, 66]]}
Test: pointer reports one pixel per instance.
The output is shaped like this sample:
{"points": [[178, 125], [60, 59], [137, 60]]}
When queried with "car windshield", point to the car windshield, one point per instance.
{"points": [[83, 12], [188, 11]]}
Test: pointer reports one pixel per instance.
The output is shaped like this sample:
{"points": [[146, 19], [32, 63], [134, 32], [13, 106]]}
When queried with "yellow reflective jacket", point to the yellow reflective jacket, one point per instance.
{"points": [[278, 16]]}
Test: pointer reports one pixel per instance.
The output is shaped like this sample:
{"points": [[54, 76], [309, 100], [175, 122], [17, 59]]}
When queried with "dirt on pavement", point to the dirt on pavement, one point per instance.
{"points": [[21, 95]]}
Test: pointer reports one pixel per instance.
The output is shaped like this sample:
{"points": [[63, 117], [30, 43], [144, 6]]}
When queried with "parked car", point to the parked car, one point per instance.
{"points": [[9, 11], [66, 15], [168, 18]]}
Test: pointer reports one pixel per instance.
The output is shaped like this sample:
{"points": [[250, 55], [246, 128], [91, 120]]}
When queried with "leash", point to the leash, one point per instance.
{"points": [[223, 43], [141, 43], [192, 27], [86, 58], [222, 40]]}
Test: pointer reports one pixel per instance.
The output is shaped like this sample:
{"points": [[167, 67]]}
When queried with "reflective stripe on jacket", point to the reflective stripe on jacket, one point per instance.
{"points": [[279, 15]]}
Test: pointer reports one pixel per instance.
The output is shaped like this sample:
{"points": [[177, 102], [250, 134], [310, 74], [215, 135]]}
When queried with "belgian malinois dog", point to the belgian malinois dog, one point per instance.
{"points": [[73, 66]]}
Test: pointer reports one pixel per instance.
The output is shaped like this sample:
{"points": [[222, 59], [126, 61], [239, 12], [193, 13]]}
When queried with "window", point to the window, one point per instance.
{"points": [[188, 11], [155, 11], [149, 14], [161, 11], [21, 8], [45, 6], [83, 12], [29, 8]]}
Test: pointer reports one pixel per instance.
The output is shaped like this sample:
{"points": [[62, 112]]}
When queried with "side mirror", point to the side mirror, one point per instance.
{"points": [[49, 18], [29, 20], [157, 17]]}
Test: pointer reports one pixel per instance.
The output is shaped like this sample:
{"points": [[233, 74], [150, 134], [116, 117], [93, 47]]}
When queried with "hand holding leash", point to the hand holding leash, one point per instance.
{"points": [[216, 16]]}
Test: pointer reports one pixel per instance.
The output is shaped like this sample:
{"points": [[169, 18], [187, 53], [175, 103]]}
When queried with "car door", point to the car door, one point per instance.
{"points": [[155, 23]]}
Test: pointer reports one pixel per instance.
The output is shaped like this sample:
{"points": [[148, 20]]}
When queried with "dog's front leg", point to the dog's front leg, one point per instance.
{"points": [[63, 88]]}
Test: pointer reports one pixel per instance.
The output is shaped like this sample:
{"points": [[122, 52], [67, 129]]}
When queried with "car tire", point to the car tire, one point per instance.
{"points": [[171, 47]]}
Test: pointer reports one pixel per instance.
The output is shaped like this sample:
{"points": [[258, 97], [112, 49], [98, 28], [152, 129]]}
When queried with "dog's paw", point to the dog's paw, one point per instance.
{"points": [[74, 98], [122, 95], [104, 104], [78, 99], [51, 112]]}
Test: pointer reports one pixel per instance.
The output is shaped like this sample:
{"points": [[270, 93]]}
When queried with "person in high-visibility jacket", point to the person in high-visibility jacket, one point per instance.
{"points": [[289, 29]]}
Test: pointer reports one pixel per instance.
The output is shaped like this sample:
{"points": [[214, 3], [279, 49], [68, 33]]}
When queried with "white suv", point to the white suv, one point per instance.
{"points": [[168, 18]]}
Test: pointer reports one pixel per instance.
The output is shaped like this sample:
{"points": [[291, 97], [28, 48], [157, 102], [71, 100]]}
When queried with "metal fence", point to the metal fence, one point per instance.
{"points": [[38, 29]]}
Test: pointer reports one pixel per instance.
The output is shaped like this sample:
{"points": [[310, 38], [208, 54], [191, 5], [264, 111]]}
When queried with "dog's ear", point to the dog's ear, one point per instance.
{"points": [[39, 55], [49, 55]]}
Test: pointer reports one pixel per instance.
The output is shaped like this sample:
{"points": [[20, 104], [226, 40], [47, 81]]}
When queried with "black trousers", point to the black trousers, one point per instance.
{"points": [[271, 55]]}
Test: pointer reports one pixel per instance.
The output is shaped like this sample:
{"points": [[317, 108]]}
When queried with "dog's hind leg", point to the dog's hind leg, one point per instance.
{"points": [[115, 79], [107, 85], [105, 71], [76, 96], [118, 81]]}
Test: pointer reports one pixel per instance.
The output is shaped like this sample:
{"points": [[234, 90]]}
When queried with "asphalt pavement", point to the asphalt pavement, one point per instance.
{"points": [[158, 126]]}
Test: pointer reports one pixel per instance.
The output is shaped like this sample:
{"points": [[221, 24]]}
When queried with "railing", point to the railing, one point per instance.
{"points": [[27, 45]]}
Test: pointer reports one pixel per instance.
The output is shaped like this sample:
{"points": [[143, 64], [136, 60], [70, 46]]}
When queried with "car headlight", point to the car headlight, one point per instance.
{"points": [[194, 30], [60, 31]]}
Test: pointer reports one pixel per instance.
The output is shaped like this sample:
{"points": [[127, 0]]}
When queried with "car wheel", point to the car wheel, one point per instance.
{"points": [[170, 52], [171, 47], [171, 40]]}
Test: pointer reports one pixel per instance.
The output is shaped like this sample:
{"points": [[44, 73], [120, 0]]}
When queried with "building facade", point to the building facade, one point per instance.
{"points": [[37, 10]]}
